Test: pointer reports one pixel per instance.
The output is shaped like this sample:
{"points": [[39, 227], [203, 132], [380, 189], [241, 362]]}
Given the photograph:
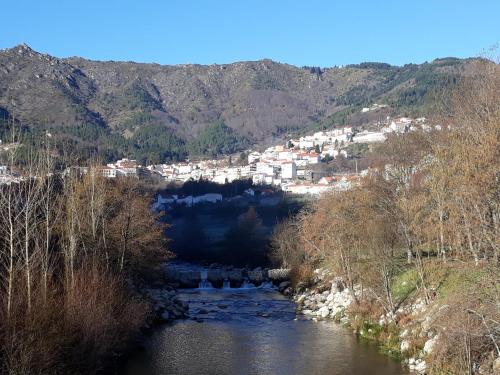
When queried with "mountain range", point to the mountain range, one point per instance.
{"points": [[160, 112]]}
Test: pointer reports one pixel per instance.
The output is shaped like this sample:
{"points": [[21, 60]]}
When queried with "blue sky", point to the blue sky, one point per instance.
{"points": [[318, 33]]}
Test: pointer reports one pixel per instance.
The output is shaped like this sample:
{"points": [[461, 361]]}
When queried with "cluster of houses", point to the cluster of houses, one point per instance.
{"points": [[288, 167], [218, 171], [123, 167]]}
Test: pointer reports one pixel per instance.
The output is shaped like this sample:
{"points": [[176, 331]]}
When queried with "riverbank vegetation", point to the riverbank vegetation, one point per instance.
{"points": [[72, 245], [423, 228]]}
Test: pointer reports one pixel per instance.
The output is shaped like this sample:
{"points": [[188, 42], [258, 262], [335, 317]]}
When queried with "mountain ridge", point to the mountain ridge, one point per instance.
{"points": [[94, 101]]}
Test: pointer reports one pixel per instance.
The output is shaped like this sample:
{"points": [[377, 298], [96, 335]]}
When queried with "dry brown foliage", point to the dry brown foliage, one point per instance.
{"points": [[69, 249], [434, 197]]}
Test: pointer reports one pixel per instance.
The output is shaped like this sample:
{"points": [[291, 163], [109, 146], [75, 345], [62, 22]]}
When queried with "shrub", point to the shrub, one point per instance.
{"points": [[73, 330]]}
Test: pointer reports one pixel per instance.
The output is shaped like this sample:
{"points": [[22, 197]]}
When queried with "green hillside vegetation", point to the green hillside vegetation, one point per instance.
{"points": [[216, 139], [155, 143], [154, 112]]}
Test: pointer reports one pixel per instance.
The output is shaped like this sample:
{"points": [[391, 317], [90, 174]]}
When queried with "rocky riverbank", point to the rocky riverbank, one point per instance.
{"points": [[410, 334], [165, 304]]}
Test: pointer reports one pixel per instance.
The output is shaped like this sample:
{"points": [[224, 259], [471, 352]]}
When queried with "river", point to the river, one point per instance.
{"points": [[247, 331]]}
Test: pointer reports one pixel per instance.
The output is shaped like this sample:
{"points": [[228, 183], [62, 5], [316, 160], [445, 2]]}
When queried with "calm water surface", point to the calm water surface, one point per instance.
{"points": [[254, 331]]}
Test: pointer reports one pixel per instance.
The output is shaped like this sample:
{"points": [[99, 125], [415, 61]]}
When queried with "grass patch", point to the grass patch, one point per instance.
{"points": [[386, 337], [455, 279], [405, 284]]}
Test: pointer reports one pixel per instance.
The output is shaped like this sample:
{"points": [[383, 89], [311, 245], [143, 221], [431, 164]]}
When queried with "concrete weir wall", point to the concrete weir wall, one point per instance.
{"points": [[186, 277]]}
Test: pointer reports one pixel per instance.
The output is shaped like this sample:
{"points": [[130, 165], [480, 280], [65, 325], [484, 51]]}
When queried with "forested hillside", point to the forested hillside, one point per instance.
{"points": [[156, 113]]}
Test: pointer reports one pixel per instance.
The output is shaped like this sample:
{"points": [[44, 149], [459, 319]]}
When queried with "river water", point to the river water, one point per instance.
{"points": [[254, 331]]}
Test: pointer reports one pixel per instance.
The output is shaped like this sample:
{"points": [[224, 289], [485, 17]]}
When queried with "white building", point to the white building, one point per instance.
{"points": [[285, 155], [108, 172], [184, 168], [313, 158], [288, 171], [253, 157], [306, 142], [265, 167], [369, 137]]}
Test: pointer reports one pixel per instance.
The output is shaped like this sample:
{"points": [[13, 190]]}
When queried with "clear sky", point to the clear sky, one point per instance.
{"points": [[307, 32]]}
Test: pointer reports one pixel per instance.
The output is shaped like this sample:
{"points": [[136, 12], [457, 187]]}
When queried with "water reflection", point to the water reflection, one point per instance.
{"points": [[254, 332]]}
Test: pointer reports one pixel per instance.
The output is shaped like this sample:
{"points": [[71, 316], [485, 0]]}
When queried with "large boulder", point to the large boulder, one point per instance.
{"points": [[323, 312], [430, 345]]}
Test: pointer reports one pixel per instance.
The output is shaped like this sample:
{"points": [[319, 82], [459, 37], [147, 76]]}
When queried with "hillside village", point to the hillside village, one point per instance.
{"points": [[287, 167]]}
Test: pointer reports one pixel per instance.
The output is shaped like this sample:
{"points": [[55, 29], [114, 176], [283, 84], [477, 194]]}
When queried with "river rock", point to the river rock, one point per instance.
{"points": [[283, 285], [320, 298], [430, 345], [337, 312], [323, 312], [419, 367], [300, 299], [405, 346]]}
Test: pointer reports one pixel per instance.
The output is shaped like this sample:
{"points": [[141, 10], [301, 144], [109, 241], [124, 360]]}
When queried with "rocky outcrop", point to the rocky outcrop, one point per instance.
{"points": [[166, 305], [329, 304]]}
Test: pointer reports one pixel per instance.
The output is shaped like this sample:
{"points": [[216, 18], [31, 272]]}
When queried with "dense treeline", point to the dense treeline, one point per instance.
{"points": [[430, 215], [215, 140], [152, 142], [71, 246]]}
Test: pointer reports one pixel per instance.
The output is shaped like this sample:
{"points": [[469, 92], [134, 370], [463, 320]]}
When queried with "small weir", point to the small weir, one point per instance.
{"points": [[189, 276], [247, 284], [204, 283]]}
